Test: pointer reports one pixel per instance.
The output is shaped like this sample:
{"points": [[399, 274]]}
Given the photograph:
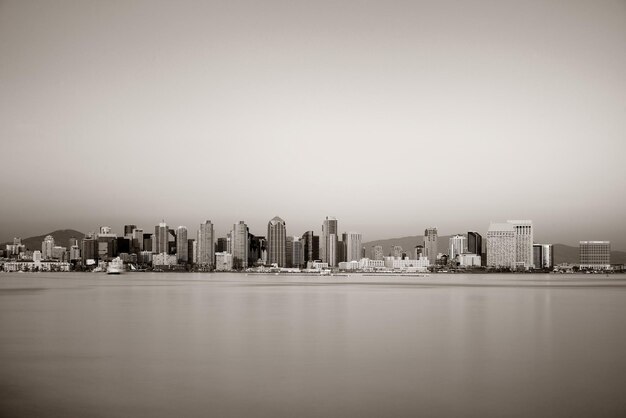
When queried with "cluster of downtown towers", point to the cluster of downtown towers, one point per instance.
{"points": [[508, 245]]}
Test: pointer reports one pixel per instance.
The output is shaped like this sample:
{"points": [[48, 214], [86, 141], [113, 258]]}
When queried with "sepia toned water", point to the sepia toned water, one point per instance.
{"points": [[231, 345]]}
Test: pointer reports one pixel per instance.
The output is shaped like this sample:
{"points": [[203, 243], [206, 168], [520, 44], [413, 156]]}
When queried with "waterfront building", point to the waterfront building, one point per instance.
{"points": [[310, 246], [468, 260], [457, 246], [523, 243], [46, 247], [138, 241], [147, 242], [107, 244], [297, 253], [182, 245], [222, 245], [223, 261], [595, 255], [160, 239], [205, 252], [58, 253], [74, 253], [501, 245], [377, 252], [329, 241], [352, 245], [397, 263], [396, 251], [239, 238], [164, 260], [418, 251], [371, 265], [276, 242], [191, 251], [89, 249], [430, 244], [257, 251], [543, 256], [474, 243], [145, 257], [349, 265]]}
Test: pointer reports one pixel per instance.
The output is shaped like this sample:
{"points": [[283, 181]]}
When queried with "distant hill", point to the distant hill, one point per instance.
{"points": [[562, 253], [61, 237]]}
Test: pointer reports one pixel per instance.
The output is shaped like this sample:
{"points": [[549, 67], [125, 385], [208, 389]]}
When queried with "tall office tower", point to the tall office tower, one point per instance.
{"points": [[182, 246], [46, 247], [418, 252], [205, 256], [310, 246], [276, 242], [123, 245], [362, 252], [160, 239], [501, 245], [289, 251], [474, 243], [89, 248], [128, 230], [538, 255], [191, 251], [295, 254], [430, 245], [137, 237], [328, 241], [547, 260], [239, 237], [352, 245], [458, 246], [377, 252], [147, 242], [595, 255], [107, 243], [71, 242], [396, 251], [524, 242], [74, 253], [222, 245]]}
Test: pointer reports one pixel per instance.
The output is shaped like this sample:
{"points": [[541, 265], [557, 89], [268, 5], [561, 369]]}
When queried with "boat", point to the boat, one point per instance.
{"points": [[116, 266]]}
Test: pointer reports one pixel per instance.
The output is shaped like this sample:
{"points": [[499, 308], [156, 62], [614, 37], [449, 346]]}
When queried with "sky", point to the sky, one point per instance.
{"points": [[392, 116]]}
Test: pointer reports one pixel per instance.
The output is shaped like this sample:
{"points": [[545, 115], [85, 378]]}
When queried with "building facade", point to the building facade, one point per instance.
{"points": [[329, 241], [595, 255], [430, 244], [205, 249], [352, 244], [501, 245], [523, 243], [277, 242], [182, 245]]}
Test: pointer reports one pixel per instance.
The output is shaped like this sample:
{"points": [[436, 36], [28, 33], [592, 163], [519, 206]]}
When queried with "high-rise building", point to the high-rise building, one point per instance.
{"points": [[222, 245], [430, 245], [182, 245], [523, 243], [89, 248], [328, 241], [418, 251], [160, 239], [147, 242], [311, 246], [128, 230], [257, 250], [107, 244], [295, 254], [276, 242], [239, 237], [396, 251], [501, 245], [46, 247], [352, 244], [595, 255], [192, 250], [458, 246], [205, 256], [71, 242], [377, 252], [474, 243], [137, 237], [74, 253], [543, 256]]}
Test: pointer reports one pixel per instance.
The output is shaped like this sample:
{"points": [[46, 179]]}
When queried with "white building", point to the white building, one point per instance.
{"points": [[328, 241], [369, 264], [349, 265], [352, 242], [458, 245], [501, 245], [164, 259], [396, 263], [523, 243], [223, 261], [468, 260], [46, 247], [316, 265]]}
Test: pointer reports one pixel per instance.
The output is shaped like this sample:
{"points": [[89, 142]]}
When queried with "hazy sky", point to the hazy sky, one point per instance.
{"points": [[391, 116]]}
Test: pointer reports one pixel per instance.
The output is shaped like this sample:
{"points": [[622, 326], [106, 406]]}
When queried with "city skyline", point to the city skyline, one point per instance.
{"points": [[382, 113]]}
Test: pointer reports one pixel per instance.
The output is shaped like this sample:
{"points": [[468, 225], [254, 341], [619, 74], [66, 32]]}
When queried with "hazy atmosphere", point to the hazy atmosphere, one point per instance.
{"points": [[392, 116]]}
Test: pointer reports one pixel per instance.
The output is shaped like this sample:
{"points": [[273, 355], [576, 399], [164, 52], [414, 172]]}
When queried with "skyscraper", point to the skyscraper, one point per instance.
{"points": [[310, 246], [160, 238], [276, 242], [239, 237], [138, 242], [595, 255], [430, 245], [352, 243], [89, 250], [377, 252], [458, 246], [474, 243], [182, 245], [501, 245], [328, 241], [128, 230], [523, 242], [204, 247], [46, 247]]}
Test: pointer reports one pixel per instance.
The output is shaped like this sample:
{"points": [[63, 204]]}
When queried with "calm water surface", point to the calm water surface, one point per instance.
{"points": [[230, 345]]}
